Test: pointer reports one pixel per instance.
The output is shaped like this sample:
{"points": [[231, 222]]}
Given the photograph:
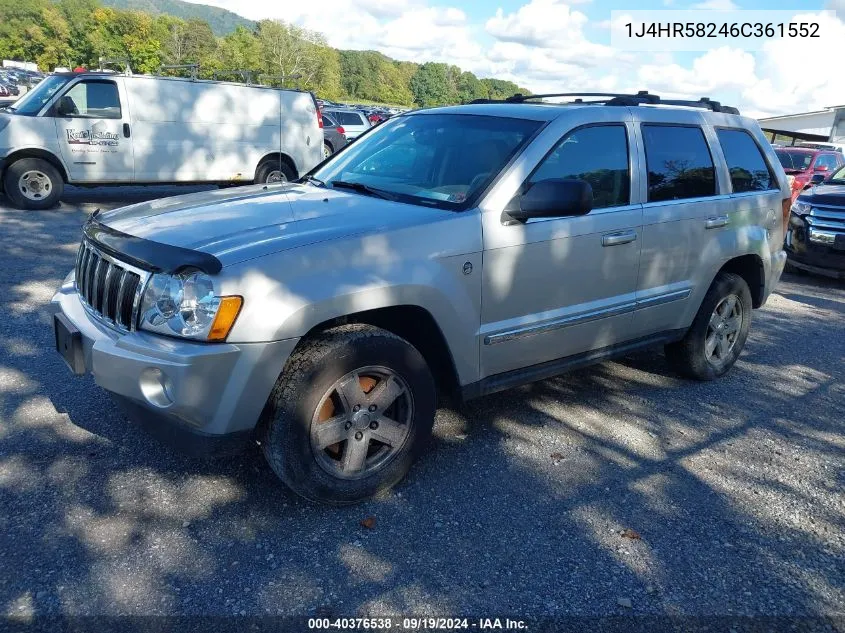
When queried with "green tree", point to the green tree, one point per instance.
{"points": [[239, 50], [126, 35], [79, 15], [430, 84]]}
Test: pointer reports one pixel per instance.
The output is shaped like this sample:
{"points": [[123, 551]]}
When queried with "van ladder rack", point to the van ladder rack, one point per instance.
{"points": [[643, 97], [194, 68]]}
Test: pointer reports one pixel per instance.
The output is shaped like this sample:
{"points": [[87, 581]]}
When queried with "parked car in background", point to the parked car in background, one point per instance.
{"points": [[334, 136], [805, 166], [5, 91], [453, 251], [98, 128], [353, 121], [815, 237]]}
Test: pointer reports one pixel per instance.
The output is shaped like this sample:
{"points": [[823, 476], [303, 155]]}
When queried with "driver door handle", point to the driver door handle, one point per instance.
{"points": [[126, 130], [615, 239]]}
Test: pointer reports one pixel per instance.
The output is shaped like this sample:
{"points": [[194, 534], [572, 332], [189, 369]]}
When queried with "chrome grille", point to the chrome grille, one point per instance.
{"points": [[109, 289], [827, 219]]}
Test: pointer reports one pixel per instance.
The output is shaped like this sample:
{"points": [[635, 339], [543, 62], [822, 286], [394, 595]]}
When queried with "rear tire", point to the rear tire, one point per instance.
{"points": [[717, 334], [274, 171], [327, 150], [376, 397], [33, 183]]}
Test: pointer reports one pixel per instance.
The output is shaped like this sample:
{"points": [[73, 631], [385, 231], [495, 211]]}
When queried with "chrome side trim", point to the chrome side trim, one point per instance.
{"points": [[585, 317], [659, 300], [556, 324]]}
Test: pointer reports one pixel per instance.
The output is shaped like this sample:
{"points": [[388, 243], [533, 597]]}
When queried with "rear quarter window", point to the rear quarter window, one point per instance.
{"points": [[748, 168], [678, 162]]}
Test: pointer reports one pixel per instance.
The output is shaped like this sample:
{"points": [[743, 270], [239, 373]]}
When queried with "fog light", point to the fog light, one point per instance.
{"points": [[156, 387]]}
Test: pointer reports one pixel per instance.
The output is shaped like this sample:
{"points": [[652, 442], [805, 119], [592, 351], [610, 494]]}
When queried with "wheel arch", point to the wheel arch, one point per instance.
{"points": [[416, 325], [276, 157], [750, 268], [36, 152]]}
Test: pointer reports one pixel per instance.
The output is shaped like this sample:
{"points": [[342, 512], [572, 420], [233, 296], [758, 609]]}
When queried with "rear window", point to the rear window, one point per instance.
{"points": [[349, 118], [749, 170], [795, 160], [679, 163]]}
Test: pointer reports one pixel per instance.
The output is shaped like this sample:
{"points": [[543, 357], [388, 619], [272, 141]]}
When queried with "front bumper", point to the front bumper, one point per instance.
{"points": [[813, 256], [199, 397]]}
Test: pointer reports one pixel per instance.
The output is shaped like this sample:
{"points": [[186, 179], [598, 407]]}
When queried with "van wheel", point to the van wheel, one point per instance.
{"points": [[33, 183], [350, 413], [718, 333], [273, 171]]}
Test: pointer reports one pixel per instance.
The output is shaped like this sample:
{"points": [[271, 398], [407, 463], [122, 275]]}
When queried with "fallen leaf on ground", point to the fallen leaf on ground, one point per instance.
{"points": [[369, 523], [631, 534], [557, 456]]}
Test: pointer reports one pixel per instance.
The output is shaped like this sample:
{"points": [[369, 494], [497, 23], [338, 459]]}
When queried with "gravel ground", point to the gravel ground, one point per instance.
{"points": [[735, 487]]}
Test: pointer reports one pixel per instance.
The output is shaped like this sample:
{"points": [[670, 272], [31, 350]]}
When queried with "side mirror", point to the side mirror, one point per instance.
{"points": [[822, 168], [552, 198], [817, 178], [66, 106]]}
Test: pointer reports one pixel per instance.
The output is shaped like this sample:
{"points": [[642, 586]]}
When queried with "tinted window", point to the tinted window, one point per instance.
{"points": [[597, 154], [749, 171], [95, 99], [327, 121], [679, 163], [828, 160], [348, 118], [791, 159]]}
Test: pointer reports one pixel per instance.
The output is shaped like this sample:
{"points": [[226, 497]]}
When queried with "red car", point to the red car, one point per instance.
{"points": [[806, 166]]}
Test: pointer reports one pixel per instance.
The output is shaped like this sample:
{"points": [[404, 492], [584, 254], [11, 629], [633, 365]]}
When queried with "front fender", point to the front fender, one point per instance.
{"points": [[435, 266]]}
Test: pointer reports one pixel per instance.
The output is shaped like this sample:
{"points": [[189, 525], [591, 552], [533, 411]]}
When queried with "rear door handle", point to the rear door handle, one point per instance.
{"points": [[615, 239], [715, 223], [126, 130]]}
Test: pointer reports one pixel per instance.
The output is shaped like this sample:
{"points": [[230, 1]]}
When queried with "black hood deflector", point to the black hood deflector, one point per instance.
{"points": [[146, 254]]}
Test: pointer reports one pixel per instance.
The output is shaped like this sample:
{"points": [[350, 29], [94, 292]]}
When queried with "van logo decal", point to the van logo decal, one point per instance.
{"points": [[95, 135]]}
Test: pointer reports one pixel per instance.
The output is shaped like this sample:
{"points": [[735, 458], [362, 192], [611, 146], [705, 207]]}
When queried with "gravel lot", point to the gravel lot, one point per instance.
{"points": [[735, 487]]}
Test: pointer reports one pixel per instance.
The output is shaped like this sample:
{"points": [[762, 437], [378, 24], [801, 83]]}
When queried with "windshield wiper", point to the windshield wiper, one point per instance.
{"points": [[362, 188], [313, 181]]}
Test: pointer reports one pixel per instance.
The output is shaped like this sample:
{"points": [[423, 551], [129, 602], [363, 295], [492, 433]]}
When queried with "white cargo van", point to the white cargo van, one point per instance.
{"points": [[101, 128]]}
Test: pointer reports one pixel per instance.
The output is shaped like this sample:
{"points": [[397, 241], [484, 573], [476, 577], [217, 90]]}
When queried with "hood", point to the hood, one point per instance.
{"points": [[828, 195], [247, 222]]}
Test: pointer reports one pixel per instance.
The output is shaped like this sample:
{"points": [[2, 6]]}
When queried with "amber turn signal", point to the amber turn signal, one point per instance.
{"points": [[227, 313]]}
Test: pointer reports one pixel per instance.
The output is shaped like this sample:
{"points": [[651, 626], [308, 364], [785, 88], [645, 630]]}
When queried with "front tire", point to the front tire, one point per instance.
{"points": [[33, 183], [717, 334], [273, 171], [352, 410]]}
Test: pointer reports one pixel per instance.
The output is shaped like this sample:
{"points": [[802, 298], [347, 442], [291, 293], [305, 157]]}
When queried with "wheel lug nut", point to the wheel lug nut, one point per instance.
{"points": [[348, 425], [359, 435], [373, 425], [372, 408], [356, 408]]}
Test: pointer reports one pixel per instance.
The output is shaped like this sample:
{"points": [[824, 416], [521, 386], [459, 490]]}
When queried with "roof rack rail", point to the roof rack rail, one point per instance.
{"points": [[192, 67], [643, 97]]}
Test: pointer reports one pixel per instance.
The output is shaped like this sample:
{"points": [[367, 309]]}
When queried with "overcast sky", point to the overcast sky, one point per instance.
{"points": [[564, 45]]}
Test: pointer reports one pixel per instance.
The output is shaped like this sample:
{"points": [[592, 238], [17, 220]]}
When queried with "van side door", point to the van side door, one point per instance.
{"points": [[93, 129]]}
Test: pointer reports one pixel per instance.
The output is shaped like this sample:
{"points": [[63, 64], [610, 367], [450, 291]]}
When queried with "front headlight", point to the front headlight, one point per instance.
{"points": [[185, 305], [801, 208]]}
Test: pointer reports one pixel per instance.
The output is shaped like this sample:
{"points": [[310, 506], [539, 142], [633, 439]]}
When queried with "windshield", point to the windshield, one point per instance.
{"points": [[31, 103], [795, 160], [837, 177], [442, 160]]}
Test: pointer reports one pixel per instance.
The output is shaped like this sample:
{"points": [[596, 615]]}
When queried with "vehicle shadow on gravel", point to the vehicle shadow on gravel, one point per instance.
{"points": [[730, 491]]}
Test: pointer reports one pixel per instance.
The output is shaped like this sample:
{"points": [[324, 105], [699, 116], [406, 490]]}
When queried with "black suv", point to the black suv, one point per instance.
{"points": [[815, 237]]}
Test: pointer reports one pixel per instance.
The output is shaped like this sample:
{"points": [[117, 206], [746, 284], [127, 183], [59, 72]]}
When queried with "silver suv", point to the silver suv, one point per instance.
{"points": [[452, 251]]}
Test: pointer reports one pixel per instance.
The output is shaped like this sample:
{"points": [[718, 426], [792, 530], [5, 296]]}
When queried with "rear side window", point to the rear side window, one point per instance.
{"points": [[327, 121], [349, 118], [95, 100], [679, 163], [828, 160], [597, 154], [749, 170]]}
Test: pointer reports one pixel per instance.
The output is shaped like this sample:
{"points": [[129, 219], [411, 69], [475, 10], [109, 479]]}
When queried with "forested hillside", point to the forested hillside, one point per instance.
{"points": [[74, 33], [220, 20]]}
